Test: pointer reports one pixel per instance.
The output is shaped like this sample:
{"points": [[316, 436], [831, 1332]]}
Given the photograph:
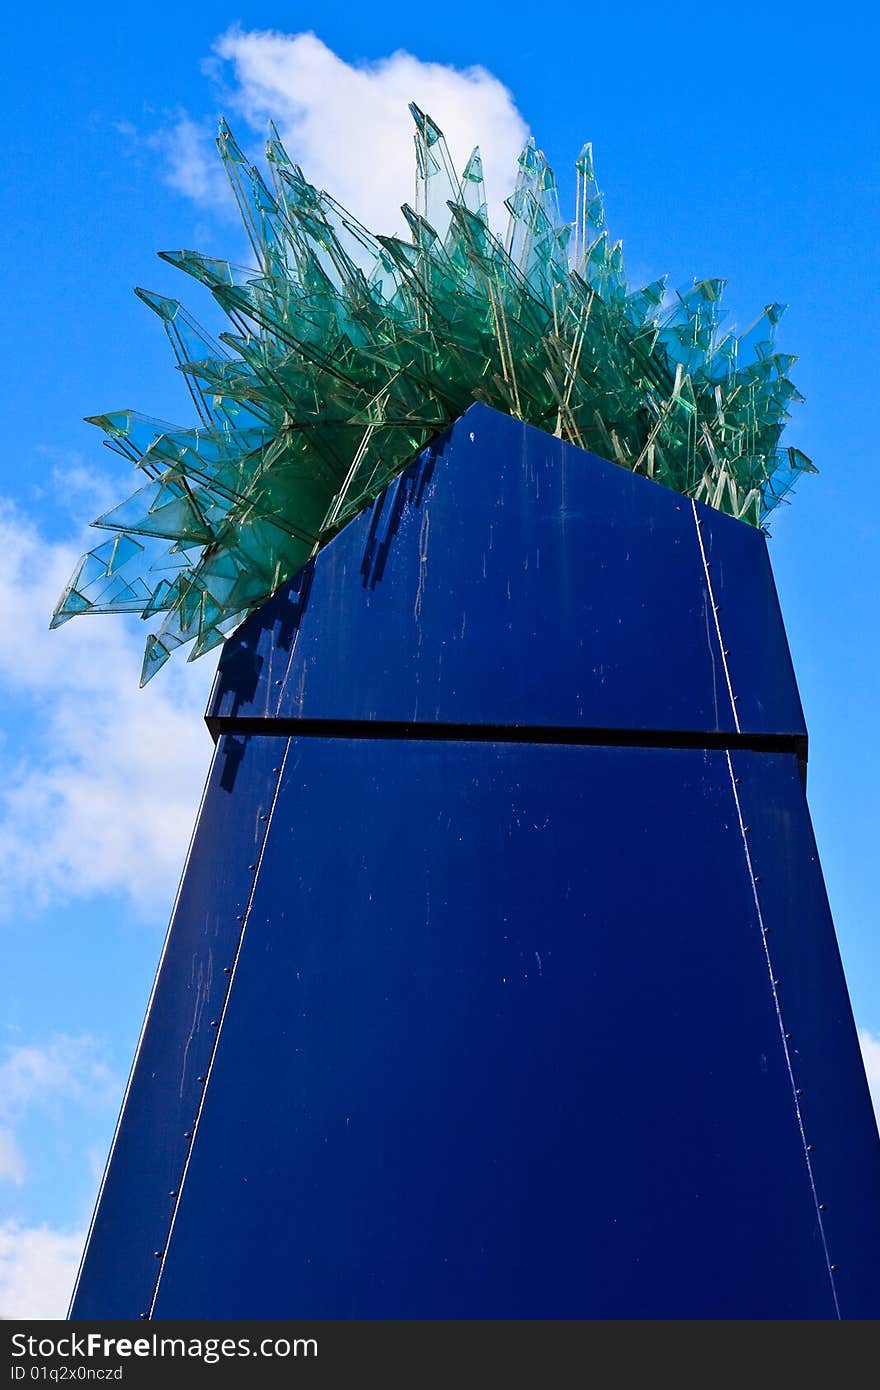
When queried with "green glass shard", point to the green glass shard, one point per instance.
{"points": [[348, 352]]}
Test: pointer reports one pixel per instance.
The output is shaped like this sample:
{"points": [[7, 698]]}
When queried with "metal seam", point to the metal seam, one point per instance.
{"points": [[416, 731], [143, 1032], [228, 996], [782, 1032], [306, 584], [711, 589]]}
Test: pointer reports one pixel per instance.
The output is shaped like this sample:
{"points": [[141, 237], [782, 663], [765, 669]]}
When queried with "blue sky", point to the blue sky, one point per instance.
{"points": [[735, 142]]}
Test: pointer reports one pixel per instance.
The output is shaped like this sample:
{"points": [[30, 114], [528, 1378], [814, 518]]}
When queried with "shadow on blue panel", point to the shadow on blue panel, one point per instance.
{"points": [[479, 1000]]}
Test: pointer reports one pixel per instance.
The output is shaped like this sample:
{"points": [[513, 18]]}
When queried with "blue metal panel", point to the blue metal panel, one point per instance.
{"points": [[506, 1031], [150, 1149], [509, 578], [502, 1042], [815, 1014], [757, 658]]}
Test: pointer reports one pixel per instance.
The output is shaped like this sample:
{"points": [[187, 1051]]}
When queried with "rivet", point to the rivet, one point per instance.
{"points": [[252, 867], [173, 1192], [810, 1148], [822, 1206], [279, 682], [264, 817], [799, 1093], [215, 1023], [736, 697], [835, 1268], [201, 1078], [757, 878], [158, 1254], [188, 1134], [227, 970], [143, 1316], [240, 917], [775, 984]]}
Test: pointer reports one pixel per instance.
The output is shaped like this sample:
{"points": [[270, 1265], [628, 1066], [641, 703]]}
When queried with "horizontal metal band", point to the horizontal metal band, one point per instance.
{"points": [[435, 731]]}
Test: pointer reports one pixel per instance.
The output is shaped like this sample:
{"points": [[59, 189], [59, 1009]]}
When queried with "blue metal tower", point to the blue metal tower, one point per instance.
{"points": [[501, 981]]}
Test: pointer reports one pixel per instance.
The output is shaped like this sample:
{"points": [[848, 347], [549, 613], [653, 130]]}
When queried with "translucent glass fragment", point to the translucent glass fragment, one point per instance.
{"points": [[348, 352]]}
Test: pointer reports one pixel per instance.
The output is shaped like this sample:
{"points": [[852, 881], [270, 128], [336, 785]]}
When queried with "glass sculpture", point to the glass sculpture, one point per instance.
{"points": [[348, 352]]}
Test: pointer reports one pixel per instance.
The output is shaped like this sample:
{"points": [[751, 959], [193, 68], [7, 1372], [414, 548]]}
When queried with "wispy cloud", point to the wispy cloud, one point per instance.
{"points": [[82, 488], [72, 1068], [59, 1075], [54, 1075], [13, 1168], [103, 779], [190, 162]]}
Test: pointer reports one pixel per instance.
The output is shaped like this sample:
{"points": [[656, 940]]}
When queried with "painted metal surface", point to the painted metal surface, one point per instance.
{"points": [[502, 1043], [815, 1015], [509, 578], [511, 1027], [152, 1142]]}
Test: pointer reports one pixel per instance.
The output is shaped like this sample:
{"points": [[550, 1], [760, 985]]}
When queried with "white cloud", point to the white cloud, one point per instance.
{"points": [[63, 1071], [37, 1270], [38, 1264], [70, 1067], [871, 1057], [191, 163], [101, 794], [347, 124], [72, 484]]}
